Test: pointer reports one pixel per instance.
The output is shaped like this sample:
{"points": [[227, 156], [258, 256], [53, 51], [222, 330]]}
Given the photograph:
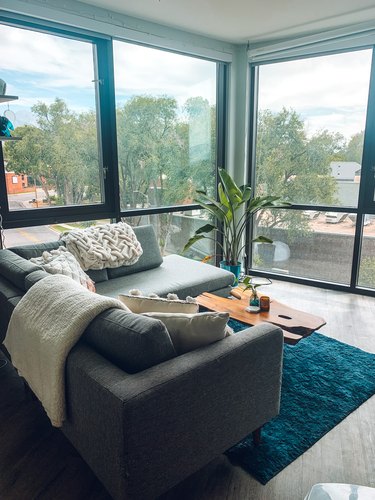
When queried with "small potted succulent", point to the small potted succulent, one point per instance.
{"points": [[252, 283]]}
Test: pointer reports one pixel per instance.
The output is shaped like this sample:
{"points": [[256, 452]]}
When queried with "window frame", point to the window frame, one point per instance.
{"points": [[102, 58], [222, 79], [366, 202]]}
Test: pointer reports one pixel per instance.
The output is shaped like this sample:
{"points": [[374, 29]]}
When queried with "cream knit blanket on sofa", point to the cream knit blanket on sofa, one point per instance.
{"points": [[45, 325], [106, 245]]}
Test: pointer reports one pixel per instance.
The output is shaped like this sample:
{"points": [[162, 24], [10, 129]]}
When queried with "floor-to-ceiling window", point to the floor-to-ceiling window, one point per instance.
{"points": [[309, 128], [166, 111]]}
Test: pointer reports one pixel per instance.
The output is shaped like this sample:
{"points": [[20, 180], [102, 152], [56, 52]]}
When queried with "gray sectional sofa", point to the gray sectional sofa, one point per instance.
{"points": [[142, 417]]}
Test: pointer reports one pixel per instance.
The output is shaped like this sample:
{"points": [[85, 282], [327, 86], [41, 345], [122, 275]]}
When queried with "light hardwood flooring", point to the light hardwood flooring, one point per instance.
{"points": [[37, 462]]}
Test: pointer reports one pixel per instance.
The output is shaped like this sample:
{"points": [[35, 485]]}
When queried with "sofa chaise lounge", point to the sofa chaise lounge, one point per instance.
{"points": [[142, 417]]}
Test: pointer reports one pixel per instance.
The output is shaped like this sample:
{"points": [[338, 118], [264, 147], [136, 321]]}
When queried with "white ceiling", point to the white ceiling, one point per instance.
{"points": [[239, 21]]}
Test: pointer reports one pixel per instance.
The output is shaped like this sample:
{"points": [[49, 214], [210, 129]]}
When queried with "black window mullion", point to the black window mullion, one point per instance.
{"points": [[221, 133], [106, 113], [367, 185], [251, 174]]}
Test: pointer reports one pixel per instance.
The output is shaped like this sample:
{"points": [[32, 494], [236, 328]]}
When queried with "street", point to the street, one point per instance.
{"points": [[21, 201], [29, 235]]}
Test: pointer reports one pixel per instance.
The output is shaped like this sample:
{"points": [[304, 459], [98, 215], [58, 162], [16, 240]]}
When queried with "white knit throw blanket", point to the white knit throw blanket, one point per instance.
{"points": [[107, 245], [45, 325]]}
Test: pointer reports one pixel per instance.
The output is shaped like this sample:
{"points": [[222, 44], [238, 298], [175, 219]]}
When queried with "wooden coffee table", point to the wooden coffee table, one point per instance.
{"points": [[295, 324]]}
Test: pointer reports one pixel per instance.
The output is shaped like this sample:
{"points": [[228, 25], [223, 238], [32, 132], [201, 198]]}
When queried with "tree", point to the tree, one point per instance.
{"points": [[293, 166], [354, 148], [60, 153], [29, 156], [147, 146], [71, 151], [200, 127], [163, 154]]}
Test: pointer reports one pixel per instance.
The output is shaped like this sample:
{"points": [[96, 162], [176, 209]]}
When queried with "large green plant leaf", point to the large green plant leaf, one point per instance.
{"points": [[230, 187], [193, 240], [207, 228], [225, 203], [261, 239], [213, 209], [246, 193]]}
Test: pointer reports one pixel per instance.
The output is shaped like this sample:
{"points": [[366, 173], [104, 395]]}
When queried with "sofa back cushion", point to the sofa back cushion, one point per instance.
{"points": [[34, 277], [34, 251], [150, 258], [97, 275], [9, 296], [15, 268], [130, 341]]}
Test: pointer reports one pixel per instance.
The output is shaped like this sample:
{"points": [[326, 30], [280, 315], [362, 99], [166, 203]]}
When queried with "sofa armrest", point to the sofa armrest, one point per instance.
{"points": [[156, 427]]}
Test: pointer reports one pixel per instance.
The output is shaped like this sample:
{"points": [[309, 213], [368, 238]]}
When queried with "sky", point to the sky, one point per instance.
{"points": [[328, 92]]}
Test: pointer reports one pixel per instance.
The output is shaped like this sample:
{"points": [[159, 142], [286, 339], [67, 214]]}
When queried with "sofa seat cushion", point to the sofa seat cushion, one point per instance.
{"points": [[130, 341], [15, 268], [175, 275]]}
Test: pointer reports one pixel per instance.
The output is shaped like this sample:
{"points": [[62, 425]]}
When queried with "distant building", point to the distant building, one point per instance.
{"points": [[345, 170], [347, 175], [17, 183]]}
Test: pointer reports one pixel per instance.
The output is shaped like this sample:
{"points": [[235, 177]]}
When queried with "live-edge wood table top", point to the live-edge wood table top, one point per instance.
{"points": [[294, 323]]}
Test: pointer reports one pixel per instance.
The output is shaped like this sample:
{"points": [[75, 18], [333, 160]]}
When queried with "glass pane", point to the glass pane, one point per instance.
{"points": [[311, 128], [307, 244], [43, 234], [166, 126], [366, 276], [173, 231], [57, 161]]}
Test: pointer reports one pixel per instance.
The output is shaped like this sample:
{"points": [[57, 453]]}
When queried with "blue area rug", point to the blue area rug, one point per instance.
{"points": [[324, 380]]}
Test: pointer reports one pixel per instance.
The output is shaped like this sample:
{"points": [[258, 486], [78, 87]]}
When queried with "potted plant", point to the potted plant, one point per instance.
{"points": [[231, 215], [252, 283]]}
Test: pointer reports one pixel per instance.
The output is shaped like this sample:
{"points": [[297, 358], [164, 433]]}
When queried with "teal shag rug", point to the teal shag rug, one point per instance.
{"points": [[324, 380]]}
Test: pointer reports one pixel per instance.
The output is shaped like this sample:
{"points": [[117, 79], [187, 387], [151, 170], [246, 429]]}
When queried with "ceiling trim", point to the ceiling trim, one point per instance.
{"points": [[80, 15], [349, 37]]}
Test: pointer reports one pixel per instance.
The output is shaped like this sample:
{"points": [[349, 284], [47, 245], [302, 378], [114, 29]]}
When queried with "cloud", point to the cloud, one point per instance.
{"points": [[47, 57], [41, 67], [143, 70], [328, 91]]}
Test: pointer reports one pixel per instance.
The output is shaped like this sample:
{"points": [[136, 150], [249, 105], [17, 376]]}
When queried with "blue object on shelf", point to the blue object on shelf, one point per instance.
{"points": [[5, 126]]}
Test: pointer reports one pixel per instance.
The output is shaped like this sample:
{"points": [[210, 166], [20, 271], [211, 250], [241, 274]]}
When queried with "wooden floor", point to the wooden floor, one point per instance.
{"points": [[37, 462]]}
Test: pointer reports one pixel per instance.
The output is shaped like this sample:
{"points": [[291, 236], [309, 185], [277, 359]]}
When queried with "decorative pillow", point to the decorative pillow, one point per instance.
{"points": [[140, 304], [61, 261], [190, 331]]}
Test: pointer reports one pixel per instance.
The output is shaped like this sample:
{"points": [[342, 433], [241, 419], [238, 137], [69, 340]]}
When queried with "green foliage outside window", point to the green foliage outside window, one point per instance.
{"points": [[296, 167], [60, 154]]}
